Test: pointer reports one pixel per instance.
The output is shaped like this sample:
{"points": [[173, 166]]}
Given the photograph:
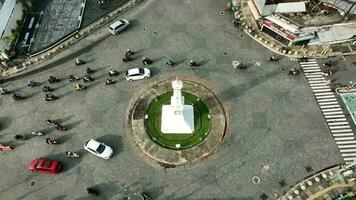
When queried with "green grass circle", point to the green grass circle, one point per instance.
{"points": [[202, 122]]}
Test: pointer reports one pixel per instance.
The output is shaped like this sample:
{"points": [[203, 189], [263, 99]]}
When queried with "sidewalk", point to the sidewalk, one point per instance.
{"points": [[68, 48], [250, 27]]}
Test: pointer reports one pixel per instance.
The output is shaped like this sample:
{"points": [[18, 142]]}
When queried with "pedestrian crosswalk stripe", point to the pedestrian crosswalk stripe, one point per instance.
{"points": [[327, 103], [312, 70], [322, 90], [349, 159], [348, 154], [342, 134], [313, 76], [311, 67], [333, 113], [347, 146], [336, 120], [344, 138], [323, 93], [341, 131], [334, 116], [346, 142], [320, 87], [330, 106], [339, 127], [317, 84], [325, 97], [337, 123], [310, 63], [312, 79], [347, 150], [320, 81]]}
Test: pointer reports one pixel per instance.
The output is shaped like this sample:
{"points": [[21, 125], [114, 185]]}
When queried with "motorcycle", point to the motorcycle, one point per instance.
{"points": [[70, 154], [126, 59], [50, 141], [193, 64], [80, 87], [109, 82], [273, 58], [293, 72], [147, 61], [50, 97], [19, 137], [53, 79], [170, 63], [18, 97], [60, 127], [31, 83], [90, 71], [79, 62], [4, 91], [88, 78], [73, 78], [50, 122], [113, 73], [145, 196], [47, 89], [36, 132]]}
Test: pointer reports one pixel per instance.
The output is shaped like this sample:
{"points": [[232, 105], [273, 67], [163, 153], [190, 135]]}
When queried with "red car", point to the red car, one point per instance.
{"points": [[45, 165]]}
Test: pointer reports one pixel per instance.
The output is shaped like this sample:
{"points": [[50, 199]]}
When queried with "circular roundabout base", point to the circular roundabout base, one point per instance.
{"points": [[169, 156]]}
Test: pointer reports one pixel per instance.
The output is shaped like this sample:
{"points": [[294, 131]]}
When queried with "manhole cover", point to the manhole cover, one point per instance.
{"points": [[225, 54], [282, 69], [241, 36], [282, 183], [222, 13], [144, 29], [256, 180], [33, 183]]}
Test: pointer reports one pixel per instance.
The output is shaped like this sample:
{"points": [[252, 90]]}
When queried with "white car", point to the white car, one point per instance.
{"points": [[138, 73], [98, 148], [118, 26]]}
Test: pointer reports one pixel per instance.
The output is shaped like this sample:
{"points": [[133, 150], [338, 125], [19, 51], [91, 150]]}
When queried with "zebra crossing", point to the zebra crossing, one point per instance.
{"points": [[329, 106]]}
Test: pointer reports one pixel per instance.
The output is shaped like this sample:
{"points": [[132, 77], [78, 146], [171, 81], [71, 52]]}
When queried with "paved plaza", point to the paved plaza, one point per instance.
{"points": [[276, 131]]}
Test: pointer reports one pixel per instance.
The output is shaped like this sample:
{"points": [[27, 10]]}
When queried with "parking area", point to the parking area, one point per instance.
{"points": [[276, 133]]}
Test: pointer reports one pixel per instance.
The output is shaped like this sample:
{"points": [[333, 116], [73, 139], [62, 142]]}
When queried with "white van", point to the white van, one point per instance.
{"points": [[118, 26]]}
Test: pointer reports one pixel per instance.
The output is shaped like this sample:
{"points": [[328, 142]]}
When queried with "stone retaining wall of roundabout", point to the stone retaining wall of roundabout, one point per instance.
{"points": [[168, 157]]}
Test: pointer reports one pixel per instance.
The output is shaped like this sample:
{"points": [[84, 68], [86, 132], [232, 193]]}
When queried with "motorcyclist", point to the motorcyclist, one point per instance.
{"points": [[19, 137], [129, 53], [78, 61], [113, 72], [146, 61], [88, 78], [50, 141], [109, 81], [78, 86], [192, 63], [3, 90], [89, 70], [170, 62]]}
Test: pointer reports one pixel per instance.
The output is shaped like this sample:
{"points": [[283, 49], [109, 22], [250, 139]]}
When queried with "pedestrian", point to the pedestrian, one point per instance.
{"points": [[93, 191]]}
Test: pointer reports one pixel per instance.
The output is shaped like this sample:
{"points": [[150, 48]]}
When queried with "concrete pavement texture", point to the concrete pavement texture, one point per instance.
{"points": [[275, 120]]}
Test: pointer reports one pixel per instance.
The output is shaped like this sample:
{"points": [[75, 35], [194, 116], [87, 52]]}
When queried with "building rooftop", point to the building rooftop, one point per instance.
{"points": [[291, 7]]}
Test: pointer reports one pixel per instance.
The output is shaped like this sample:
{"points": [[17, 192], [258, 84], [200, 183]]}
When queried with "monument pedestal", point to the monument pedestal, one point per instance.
{"points": [[177, 117]]}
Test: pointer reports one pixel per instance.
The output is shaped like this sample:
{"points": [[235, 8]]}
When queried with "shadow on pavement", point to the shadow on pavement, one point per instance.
{"points": [[72, 125], [61, 197], [63, 138], [5, 122], [107, 190]]}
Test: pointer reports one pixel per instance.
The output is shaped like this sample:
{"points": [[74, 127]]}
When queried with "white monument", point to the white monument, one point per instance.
{"points": [[177, 117]]}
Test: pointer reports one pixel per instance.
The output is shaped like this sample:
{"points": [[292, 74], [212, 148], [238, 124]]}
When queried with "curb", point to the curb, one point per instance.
{"points": [[66, 42]]}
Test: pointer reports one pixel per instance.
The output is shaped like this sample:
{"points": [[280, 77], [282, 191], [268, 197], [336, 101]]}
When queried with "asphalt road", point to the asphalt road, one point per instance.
{"points": [[277, 131]]}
